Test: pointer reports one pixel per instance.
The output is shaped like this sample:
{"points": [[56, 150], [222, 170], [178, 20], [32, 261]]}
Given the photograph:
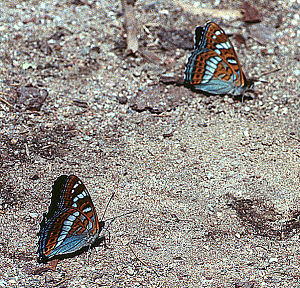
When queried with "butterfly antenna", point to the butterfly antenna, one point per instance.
{"points": [[258, 78], [112, 195], [269, 72], [114, 218]]}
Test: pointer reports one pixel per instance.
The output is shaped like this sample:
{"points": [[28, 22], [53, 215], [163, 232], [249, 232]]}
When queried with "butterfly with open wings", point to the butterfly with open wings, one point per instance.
{"points": [[213, 67], [71, 223]]}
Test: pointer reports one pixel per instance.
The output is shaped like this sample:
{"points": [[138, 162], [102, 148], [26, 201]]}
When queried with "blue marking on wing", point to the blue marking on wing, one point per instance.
{"points": [[70, 245], [216, 86]]}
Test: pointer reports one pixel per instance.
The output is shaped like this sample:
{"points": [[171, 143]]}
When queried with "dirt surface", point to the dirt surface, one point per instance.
{"points": [[215, 179]]}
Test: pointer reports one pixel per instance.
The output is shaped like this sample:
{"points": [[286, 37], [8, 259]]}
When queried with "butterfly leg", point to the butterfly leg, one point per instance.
{"points": [[103, 239], [53, 264], [88, 254]]}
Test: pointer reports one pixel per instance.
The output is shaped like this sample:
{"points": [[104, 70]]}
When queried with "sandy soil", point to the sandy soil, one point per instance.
{"points": [[215, 179]]}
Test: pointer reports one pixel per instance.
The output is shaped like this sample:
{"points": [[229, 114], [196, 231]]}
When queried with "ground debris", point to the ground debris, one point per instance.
{"points": [[30, 98]]}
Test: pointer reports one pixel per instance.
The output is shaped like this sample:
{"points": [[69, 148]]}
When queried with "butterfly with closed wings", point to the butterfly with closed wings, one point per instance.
{"points": [[71, 224], [213, 67]]}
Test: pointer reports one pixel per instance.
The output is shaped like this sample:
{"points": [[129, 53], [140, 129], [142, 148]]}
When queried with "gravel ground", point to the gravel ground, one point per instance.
{"points": [[215, 179]]}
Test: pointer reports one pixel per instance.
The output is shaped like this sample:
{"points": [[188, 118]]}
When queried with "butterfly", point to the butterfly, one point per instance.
{"points": [[71, 223], [214, 67]]}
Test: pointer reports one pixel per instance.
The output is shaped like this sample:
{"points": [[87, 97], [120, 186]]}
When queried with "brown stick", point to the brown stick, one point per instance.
{"points": [[291, 137], [130, 26], [209, 12], [4, 101], [143, 262]]}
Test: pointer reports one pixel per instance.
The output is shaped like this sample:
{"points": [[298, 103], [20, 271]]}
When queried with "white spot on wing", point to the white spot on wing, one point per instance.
{"points": [[224, 45], [231, 61], [218, 32], [80, 196], [61, 238], [75, 185], [211, 64], [71, 218], [207, 76], [220, 46], [209, 69], [227, 45], [88, 209], [58, 243], [214, 60], [68, 223], [63, 233]]}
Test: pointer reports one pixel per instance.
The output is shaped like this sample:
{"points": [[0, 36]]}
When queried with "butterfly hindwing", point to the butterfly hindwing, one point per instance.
{"points": [[213, 66], [71, 222]]}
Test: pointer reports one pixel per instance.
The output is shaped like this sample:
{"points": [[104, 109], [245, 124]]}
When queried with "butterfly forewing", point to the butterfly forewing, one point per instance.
{"points": [[71, 222], [218, 41]]}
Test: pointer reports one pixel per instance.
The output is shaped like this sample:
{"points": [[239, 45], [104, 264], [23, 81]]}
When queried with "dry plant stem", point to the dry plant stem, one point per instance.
{"points": [[150, 56], [61, 281], [143, 262], [130, 26], [4, 101], [292, 137], [219, 13]]}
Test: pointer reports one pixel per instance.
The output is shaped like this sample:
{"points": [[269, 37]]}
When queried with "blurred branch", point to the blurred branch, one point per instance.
{"points": [[130, 26], [219, 13]]}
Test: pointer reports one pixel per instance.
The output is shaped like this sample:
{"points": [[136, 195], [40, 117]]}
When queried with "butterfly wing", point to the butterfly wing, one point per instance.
{"points": [[71, 222], [213, 66]]}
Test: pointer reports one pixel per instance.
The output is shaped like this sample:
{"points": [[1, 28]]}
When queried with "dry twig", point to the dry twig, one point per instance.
{"points": [[130, 26], [4, 101], [218, 13], [61, 281], [295, 138], [142, 261]]}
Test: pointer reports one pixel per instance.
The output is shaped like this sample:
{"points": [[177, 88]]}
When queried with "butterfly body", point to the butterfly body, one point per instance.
{"points": [[71, 223], [213, 66]]}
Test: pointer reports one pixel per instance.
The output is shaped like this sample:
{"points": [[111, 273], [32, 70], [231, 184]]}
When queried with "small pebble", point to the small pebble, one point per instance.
{"points": [[13, 141], [164, 12], [210, 175], [297, 72], [246, 133], [130, 271], [122, 99], [273, 259]]}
